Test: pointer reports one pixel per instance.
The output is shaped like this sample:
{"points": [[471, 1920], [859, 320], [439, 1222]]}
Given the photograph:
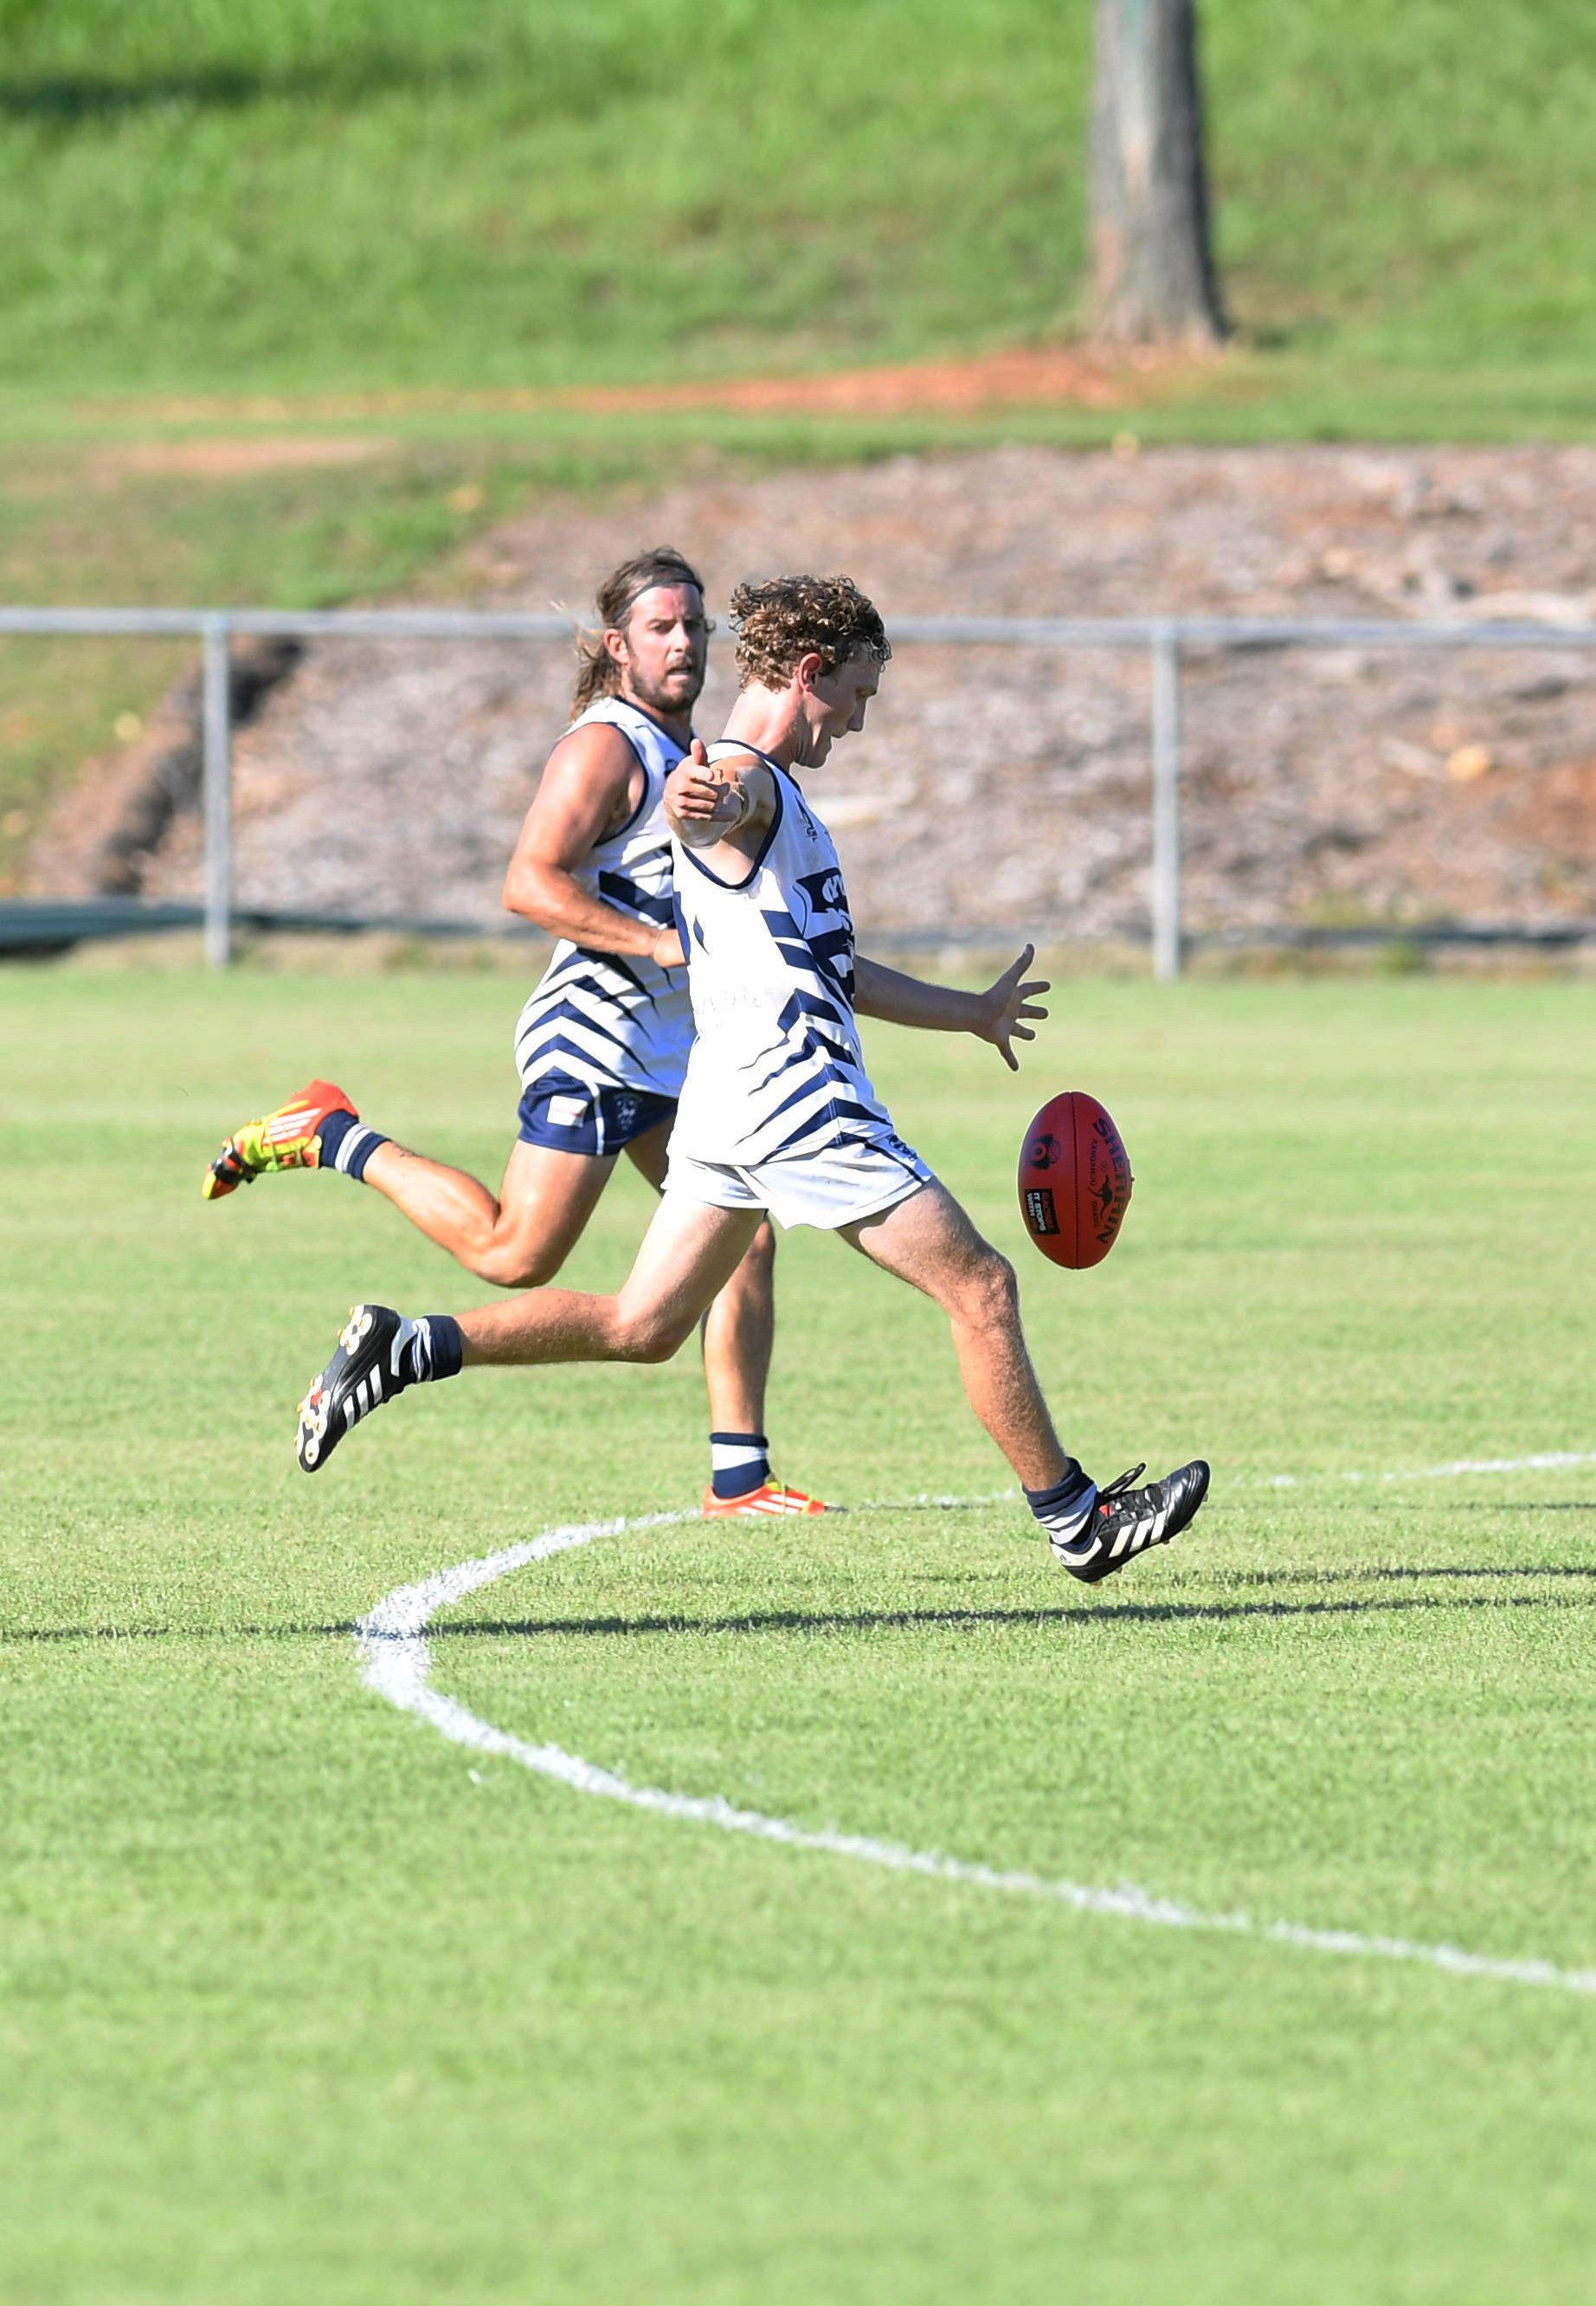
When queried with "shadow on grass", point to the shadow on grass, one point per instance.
{"points": [[170, 1633], [1547, 1505], [1407, 1572], [825, 1621], [1160, 1613], [68, 99]]}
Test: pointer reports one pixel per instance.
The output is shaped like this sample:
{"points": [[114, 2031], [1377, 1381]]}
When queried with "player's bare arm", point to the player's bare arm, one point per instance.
{"points": [[591, 785], [725, 803], [999, 1016]]}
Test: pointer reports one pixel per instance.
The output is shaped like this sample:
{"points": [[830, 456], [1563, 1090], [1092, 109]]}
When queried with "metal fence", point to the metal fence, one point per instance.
{"points": [[1165, 638]]}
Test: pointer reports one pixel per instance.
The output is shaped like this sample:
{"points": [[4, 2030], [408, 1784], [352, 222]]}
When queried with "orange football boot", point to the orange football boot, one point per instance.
{"points": [[288, 1139], [771, 1501]]}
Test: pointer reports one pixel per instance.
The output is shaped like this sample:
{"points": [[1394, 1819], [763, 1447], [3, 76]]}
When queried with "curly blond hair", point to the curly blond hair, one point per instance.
{"points": [[786, 618]]}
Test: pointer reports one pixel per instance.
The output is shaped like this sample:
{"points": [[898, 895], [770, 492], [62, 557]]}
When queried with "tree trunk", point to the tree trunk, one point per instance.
{"points": [[1154, 273]]}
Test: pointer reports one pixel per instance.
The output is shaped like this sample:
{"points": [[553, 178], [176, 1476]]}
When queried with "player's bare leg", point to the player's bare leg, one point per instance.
{"points": [[688, 1252], [740, 1329], [688, 1255], [929, 1241], [521, 1237], [739, 1335], [516, 1239]]}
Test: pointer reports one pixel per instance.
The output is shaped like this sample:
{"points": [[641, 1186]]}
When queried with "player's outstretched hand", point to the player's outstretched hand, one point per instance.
{"points": [[668, 951], [1005, 1005]]}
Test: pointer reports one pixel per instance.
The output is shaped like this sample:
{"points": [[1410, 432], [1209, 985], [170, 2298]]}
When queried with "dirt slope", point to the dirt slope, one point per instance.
{"points": [[1000, 786]]}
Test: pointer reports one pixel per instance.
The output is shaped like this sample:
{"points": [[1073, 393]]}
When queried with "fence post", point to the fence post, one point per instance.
{"points": [[217, 722], [1166, 804]]}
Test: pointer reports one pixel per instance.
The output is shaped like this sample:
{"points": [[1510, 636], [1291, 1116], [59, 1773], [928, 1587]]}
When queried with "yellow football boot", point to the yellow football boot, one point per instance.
{"points": [[288, 1139]]}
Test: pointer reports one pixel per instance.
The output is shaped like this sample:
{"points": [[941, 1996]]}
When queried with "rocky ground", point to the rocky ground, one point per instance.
{"points": [[1385, 785]]}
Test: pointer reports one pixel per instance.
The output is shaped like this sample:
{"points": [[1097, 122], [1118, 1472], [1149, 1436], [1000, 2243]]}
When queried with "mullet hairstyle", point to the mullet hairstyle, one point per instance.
{"points": [[597, 672], [788, 618]]}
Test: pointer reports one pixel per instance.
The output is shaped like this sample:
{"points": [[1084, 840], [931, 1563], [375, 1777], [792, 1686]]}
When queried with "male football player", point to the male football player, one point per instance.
{"points": [[601, 1044], [777, 1114]]}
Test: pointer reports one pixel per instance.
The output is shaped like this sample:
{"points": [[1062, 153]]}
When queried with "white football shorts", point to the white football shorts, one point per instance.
{"points": [[839, 1185]]}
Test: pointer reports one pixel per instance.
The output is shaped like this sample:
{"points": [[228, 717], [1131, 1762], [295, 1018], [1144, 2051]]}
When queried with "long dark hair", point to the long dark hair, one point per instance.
{"points": [[597, 672]]}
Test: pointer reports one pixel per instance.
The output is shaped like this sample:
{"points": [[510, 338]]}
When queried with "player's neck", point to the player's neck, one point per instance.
{"points": [[770, 724]]}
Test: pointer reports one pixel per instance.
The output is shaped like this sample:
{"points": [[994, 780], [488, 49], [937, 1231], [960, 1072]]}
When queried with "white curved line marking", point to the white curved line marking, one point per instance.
{"points": [[1547, 1458], [398, 1664]]}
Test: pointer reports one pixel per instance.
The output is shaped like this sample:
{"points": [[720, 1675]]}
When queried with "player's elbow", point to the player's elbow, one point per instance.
{"points": [[521, 897], [532, 898]]}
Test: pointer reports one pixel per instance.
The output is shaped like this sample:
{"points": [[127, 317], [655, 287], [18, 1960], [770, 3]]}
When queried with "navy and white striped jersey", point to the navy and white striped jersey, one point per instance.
{"points": [[776, 1072], [609, 1020]]}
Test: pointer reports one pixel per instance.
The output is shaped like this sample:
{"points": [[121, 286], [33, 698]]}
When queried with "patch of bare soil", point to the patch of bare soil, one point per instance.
{"points": [[1083, 376], [239, 456], [1010, 786], [1048, 375]]}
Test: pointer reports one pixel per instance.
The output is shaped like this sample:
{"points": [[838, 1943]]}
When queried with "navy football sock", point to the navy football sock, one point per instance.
{"points": [[430, 1348], [740, 1464], [1065, 1507], [347, 1144]]}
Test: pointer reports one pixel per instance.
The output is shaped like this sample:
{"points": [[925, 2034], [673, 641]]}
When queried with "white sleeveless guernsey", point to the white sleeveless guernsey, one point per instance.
{"points": [[610, 1019], [776, 1072]]}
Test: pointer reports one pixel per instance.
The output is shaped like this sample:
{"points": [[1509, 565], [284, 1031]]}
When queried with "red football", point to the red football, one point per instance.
{"points": [[1074, 1180]]}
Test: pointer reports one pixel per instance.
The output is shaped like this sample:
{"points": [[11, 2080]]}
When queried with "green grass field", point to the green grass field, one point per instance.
{"points": [[300, 2000]]}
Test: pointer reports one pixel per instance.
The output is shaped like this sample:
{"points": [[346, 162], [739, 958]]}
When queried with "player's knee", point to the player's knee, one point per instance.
{"points": [[994, 1291], [517, 1265], [522, 1269], [650, 1334]]}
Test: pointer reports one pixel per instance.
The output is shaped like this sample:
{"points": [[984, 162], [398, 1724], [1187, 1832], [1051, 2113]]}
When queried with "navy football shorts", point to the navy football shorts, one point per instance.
{"points": [[569, 1117]]}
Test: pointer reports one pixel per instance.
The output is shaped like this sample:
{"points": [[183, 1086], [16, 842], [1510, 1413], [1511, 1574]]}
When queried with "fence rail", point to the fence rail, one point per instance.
{"points": [[1165, 638]]}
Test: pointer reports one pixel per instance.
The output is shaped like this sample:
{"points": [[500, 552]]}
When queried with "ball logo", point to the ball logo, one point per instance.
{"points": [[1043, 1151], [1039, 1212]]}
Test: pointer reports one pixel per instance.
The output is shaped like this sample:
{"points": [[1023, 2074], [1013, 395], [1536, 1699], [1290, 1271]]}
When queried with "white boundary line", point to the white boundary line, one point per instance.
{"points": [[398, 1664], [1547, 1458]]}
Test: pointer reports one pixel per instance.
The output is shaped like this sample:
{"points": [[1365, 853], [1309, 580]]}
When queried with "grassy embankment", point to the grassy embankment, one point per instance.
{"points": [[275, 221]]}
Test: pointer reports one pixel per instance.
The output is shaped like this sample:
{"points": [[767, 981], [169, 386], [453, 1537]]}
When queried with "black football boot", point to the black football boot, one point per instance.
{"points": [[1126, 1522]]}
